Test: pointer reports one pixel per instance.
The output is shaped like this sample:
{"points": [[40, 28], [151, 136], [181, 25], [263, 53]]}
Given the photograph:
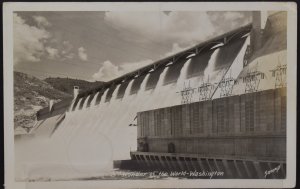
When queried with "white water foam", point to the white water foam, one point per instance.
{"points": [[88, 140]]}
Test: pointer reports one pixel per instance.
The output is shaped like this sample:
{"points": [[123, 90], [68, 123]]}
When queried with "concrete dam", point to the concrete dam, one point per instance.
{"points": [[204, 101]]}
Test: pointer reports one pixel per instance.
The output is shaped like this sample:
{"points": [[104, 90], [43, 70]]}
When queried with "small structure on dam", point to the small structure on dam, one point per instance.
{"points": [[218, 106]]}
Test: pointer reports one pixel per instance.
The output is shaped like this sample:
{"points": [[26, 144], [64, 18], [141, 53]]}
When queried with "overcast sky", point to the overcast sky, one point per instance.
{"points": [[103, 45]]}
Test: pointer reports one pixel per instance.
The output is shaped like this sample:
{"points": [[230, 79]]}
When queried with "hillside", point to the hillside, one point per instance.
{"points": [[30, 95], [66, 84]]}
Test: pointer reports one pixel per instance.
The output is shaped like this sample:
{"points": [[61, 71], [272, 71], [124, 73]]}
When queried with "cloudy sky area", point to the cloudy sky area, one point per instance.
{"points": [[104, 45]]}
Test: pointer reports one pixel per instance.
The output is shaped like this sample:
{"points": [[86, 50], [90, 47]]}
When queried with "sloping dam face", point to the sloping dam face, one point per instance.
{"points": [[96, 129]]}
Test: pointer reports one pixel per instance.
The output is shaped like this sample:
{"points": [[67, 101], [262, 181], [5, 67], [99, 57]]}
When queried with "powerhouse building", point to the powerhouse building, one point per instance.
{"points": [[242, 132]]}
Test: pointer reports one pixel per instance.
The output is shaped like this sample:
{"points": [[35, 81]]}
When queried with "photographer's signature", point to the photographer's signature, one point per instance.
{"points": [[276, 169]]}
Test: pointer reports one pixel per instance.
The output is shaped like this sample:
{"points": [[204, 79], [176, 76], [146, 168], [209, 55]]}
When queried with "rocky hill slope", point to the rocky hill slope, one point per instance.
{"points": [[30, 95]]}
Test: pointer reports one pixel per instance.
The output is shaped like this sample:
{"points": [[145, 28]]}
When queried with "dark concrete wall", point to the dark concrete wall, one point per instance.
{"points": [[232, 168], [252, 124]]}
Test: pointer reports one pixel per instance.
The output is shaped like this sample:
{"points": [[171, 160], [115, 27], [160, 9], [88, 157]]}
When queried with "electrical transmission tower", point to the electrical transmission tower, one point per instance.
{"points": [[205, 90], [226, 86], [186, 93], [280, 75], [252, 80]]}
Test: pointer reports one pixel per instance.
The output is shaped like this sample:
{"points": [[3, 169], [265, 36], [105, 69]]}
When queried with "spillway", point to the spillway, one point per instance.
{"points": [[98, 128]]}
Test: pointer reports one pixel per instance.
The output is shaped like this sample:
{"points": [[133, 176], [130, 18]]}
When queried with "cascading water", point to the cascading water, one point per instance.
{"points": [[110, 110], [88, 140], [103, 98], [209, 70], [72, 105], [175, 97], [86, 102], [97, 111], [156, 94], [93, 102], [235, 69], [78, 104], [170, 95], [139, 103], [123, 103]]}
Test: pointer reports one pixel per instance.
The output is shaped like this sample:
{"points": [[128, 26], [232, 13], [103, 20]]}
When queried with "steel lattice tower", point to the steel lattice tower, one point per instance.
{"points": [[226, 86], [280, 75], [205, 90], [252, 80], [186, 93]]}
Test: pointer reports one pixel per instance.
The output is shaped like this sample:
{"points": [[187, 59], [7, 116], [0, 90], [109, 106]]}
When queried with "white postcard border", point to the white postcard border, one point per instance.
{"points": [[9, 8]]}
